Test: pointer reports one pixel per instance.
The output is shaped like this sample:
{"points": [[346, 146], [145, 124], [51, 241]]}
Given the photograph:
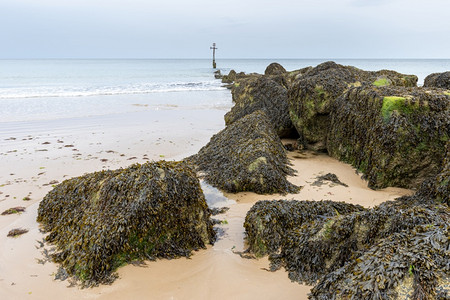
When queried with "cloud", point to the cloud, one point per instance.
{"points": [[252, 28]]}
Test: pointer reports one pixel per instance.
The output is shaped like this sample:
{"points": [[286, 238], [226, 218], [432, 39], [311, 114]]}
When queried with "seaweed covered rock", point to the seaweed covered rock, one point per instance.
{"points": [[102, 220], [246, 156], [230, 77], [267, 222], [314, 250], [261, 93], [395, 136], [405, 265], [442, 183], [438, 80], [390, 78], [311, 97], [274, 69]]}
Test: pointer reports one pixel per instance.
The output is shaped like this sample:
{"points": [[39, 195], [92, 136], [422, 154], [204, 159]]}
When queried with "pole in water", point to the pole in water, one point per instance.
{"points": [[214, 54]]}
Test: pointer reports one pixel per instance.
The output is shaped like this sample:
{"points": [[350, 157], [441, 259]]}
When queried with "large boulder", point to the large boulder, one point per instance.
{"points": [[261, 93], [397, 247], [313, 250], [102, 220], [246, 156], [404, 265], [267, 222], [395, 136], [438, 80], [230, 77], [274, 69], [312, 96]]}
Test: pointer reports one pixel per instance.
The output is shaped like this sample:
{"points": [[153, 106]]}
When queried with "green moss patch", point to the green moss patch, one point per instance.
{"points": [[382, 82], [390, 104], [403, 105]]}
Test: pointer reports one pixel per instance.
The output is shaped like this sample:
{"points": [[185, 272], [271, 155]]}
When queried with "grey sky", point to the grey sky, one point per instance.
{"points": [[241, 28]]}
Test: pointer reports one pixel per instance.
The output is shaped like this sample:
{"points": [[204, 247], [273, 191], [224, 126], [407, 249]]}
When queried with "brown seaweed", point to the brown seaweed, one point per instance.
{"points": [[105, 219], [246, 156], [267, 222], [395, 136]]}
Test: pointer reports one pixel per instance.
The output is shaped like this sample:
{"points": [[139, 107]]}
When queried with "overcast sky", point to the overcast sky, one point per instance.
{"points": [[241, 28]]}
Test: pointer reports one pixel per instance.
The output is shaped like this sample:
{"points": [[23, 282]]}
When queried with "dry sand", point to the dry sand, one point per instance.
{"points": [[36, 155]]}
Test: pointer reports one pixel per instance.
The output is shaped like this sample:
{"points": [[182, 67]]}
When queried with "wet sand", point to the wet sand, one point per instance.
{"points": [[37, 155]]}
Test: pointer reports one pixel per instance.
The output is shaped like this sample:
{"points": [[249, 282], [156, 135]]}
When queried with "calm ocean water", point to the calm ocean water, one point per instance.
{"points": [[55, 89]]}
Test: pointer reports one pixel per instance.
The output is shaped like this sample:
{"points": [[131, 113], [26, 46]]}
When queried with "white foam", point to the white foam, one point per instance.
{"points": [[85, 91]]}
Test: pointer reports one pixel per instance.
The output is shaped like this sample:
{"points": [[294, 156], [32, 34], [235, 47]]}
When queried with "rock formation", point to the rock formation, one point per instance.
{"points": [[438, 80], [105, 219], [395, 136], [246, 156], [312, 96], [261, 93]]}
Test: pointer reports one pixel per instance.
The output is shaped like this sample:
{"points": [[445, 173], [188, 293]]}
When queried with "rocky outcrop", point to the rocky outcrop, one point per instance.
{"points": [[312, 96], [230, 77], [442, 182], [246, 156], [403, 265], [103, 220], [274, 69], [438, 80], [395, 249], [267, 222], [268, 93], [261, 93], [395, 136]]}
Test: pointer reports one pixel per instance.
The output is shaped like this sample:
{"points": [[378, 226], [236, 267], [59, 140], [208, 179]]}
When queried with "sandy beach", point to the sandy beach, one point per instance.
{"points": [[37, 155]]}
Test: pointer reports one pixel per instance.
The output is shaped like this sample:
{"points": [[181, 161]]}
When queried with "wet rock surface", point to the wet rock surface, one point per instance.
{"points": [[13, 210], [397, 248], [274, 69], [261, 93], [312, 95], [395, 136], [268, 221], [328, 177], [103, 220], [438, 80], [442, 182], [17, 232], [246, 156]]}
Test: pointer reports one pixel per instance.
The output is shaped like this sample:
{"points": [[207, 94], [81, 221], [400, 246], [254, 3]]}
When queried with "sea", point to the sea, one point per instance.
{"points": [[33, 90]]}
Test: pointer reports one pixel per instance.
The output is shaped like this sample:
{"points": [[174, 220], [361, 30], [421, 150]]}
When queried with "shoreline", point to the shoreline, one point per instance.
{"points": [[216, 272]]}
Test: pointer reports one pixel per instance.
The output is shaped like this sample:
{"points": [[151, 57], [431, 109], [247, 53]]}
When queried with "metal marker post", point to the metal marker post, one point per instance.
{"points": [[214, 54]]}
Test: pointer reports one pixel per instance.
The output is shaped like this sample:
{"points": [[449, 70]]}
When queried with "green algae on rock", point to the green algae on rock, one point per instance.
{"points": [[13, 210], [102, 220], [311, 97], [267, 221], [396, 136], [246, 156]]}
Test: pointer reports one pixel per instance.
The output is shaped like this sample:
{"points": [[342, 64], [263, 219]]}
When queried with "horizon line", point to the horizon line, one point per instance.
{"points": [[225, 58]]}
